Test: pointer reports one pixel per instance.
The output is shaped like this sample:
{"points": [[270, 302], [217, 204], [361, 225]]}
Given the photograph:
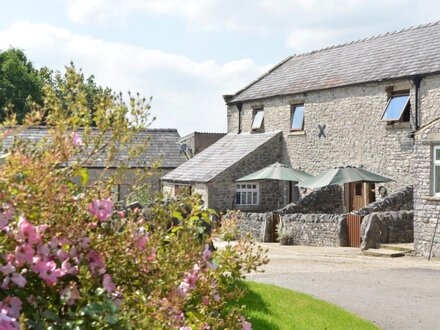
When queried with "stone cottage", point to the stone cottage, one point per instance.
{"points": [[163, 146], [373, 103]]}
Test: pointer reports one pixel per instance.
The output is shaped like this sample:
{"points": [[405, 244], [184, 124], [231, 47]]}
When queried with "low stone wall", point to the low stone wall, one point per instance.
{"points": [[259, 225], [401, 199], [387, 227], [316, 229], [327, 200]]}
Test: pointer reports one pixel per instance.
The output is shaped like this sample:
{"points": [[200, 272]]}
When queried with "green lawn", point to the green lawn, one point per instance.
{"points": [[272, 307]]}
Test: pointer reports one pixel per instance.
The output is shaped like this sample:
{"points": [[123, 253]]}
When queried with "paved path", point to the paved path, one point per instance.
{"points": [[400, 293]]}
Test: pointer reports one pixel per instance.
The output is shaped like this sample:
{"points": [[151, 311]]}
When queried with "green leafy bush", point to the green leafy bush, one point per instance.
{"points": [[68, 260]]}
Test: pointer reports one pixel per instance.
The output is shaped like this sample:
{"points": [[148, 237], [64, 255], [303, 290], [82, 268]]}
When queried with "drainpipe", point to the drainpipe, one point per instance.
{"points": [[416, 80], [239, 106]]}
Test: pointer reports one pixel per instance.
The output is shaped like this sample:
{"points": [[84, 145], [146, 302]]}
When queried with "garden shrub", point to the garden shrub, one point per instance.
{"points": [[70, 260]]}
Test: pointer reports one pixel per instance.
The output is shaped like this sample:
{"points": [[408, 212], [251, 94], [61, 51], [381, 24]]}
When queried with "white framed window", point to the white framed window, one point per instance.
{"points": [[247, 194], [397, 108], [257, 122], [297, 117], [436, 170]]}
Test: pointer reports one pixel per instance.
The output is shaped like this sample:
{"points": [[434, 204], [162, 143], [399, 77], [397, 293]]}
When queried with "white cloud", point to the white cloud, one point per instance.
{"points": [[186, 94], [304, 24]]}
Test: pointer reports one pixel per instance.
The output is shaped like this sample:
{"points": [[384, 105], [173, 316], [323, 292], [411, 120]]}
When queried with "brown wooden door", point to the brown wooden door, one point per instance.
{"points": [[357, 195], [354, 230]]}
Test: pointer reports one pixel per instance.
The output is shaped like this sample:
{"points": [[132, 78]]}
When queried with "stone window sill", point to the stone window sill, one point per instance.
{"points": [[295, 133], [398, 125], [432, 198]]}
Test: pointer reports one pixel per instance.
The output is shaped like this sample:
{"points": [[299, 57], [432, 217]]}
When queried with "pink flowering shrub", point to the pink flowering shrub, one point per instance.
{"points": [[69, 260]]}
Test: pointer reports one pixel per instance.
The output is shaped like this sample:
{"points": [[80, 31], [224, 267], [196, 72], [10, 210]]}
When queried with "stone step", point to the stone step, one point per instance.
{"points": [[404, 247], [383, 253]]}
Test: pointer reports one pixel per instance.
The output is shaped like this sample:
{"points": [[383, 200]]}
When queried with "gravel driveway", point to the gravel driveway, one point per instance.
{"points": [[399, 293]]}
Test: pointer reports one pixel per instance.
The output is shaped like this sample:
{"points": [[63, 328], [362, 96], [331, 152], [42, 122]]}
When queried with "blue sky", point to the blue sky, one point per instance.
{"points": [[187, 53]]}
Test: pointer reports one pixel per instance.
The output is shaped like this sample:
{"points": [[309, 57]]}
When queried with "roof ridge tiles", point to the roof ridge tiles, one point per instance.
{"points": [[360, 40], [285, 78]]}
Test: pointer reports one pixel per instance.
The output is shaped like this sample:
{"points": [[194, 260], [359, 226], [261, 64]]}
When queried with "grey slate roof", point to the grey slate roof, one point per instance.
{"points": [[162, 144], [218, 157], [394, 55]]}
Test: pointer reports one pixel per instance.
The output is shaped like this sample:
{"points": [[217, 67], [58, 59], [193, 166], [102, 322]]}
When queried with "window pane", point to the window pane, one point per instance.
{"points": [[254, 198], [249, 197], [437, 180], [395, 107], [254, 186], [249, 186], [437, 154], [358, 189], [298, 117], [237, 198], [243, 198], [258, 119]]}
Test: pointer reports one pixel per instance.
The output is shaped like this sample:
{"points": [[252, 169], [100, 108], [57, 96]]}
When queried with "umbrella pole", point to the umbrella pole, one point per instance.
{"points": [[433, 238]]}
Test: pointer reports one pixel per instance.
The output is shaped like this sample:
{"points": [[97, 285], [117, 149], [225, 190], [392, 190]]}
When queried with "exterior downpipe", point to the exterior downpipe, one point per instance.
{"points": [[239, 106], [416, 80]]}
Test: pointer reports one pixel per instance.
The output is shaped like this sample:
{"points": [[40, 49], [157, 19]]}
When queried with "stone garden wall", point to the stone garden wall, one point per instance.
{"points": [[328, 199], [401, 199], [259, 225], [316, 229], [387, 227]]}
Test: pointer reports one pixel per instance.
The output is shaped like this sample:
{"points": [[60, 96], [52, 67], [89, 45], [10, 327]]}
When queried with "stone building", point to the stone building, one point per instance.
{"points": [[373, 103], [199, 141], [162, 147]]}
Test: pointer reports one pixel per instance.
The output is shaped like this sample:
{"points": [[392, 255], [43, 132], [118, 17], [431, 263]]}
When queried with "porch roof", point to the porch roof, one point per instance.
{"points": [[221, 155]]}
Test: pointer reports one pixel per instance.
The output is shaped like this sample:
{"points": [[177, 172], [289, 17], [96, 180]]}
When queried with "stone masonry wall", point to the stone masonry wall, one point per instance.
{"points": [[129, 179], [221, 190], [328, 199], [426, 204], [316, 229], [355, 134], [401, 199], [259, 225], [387, 227]]}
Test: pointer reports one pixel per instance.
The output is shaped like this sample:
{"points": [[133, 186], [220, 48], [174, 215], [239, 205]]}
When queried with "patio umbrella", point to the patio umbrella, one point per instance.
{"points": [[341, 175], [277, 171]]}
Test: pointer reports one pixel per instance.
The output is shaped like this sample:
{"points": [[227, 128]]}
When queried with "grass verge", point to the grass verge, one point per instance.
{"points": [[270, 307]]}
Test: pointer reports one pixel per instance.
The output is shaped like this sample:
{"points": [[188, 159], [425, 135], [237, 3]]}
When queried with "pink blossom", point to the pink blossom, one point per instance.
{"points": [[245, 325], [96, 263], [43, 251], [102, 209], [183, 289], [8, 323], [84, 242], [206, 253], [142, 242], [24, 253], [70, 295], [6, 213], [28, 232], [48, 271], [152, 255], [184, 328], [217, 297], [108, 284], [67, 268], [12, 306], [76, 140], [11, 276]]}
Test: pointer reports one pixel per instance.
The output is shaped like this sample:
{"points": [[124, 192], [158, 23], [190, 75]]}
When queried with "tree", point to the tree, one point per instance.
{"points": [[19, 81]]}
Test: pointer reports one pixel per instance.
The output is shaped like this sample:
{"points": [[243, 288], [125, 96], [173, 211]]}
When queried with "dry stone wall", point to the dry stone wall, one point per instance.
{"points": [[316, 229], [401, 199], [328, 199], [387, 227]]}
